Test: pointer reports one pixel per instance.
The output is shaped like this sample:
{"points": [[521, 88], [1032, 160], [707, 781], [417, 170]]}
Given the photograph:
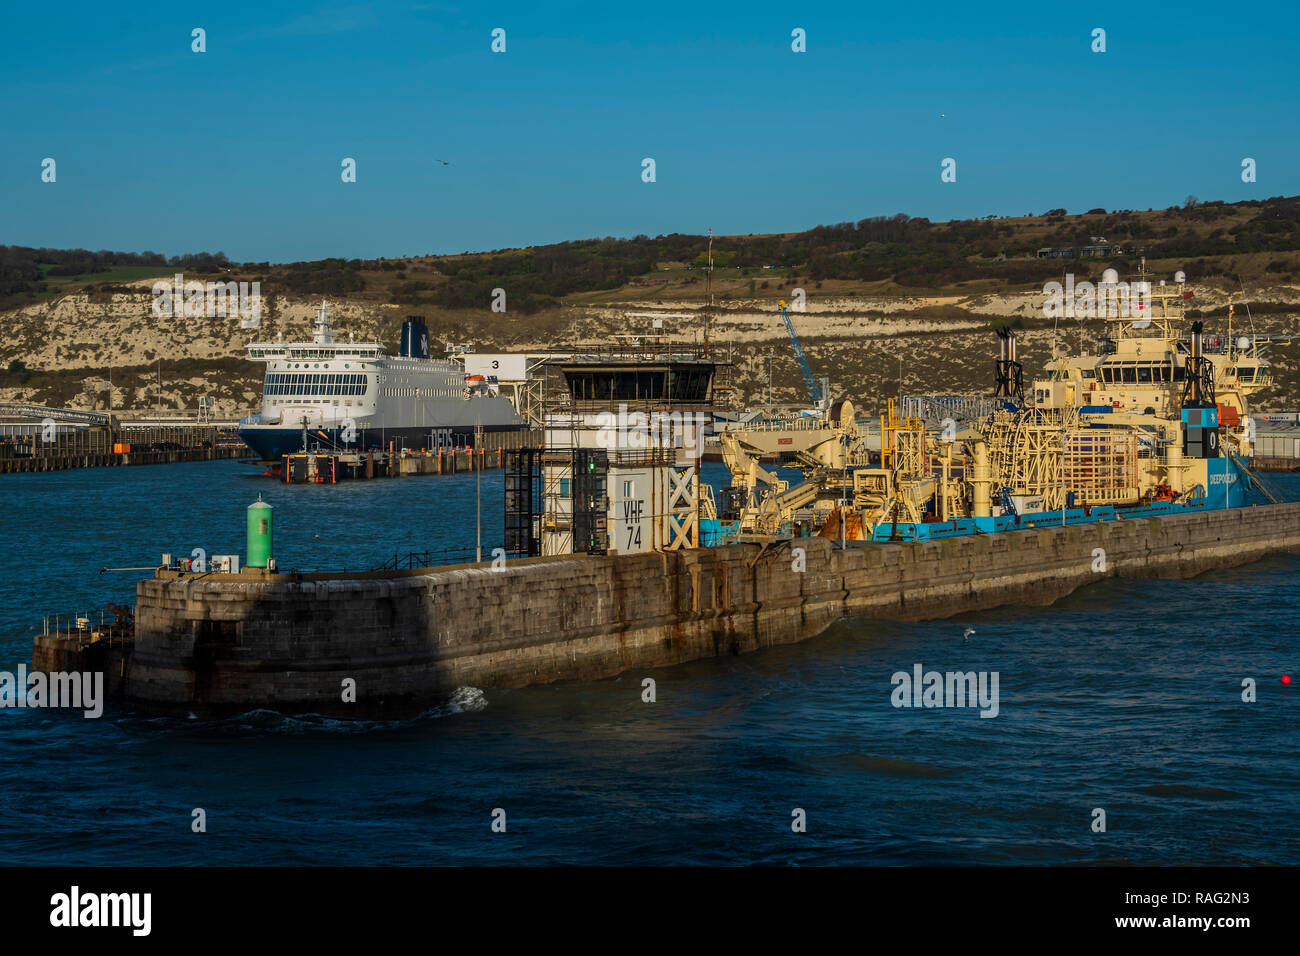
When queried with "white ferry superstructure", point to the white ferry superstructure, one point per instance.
{"points": [[356, 396]]}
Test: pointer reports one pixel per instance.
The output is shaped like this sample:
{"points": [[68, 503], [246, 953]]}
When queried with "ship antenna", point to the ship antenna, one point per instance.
{"points": [[708, 288], [1056, 322], [1249, 318], [708, 276]]}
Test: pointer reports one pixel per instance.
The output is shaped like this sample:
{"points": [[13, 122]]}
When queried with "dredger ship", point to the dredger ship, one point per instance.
{"points": [[1153, 421]]}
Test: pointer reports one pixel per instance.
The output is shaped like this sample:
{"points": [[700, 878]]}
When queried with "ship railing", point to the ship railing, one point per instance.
{"points": [[66, 628], [936, 408], [804, 423]]}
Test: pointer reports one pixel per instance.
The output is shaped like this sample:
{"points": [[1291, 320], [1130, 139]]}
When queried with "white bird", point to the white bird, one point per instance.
{"points": [[965, 635]]}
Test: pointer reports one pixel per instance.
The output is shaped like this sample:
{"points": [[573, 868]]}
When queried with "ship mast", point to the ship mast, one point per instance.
{"points": [[321, 334], [708, 288]]}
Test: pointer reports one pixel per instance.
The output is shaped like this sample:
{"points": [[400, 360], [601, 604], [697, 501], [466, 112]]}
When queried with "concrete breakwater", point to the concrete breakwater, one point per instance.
{"points": [[221, 643]]}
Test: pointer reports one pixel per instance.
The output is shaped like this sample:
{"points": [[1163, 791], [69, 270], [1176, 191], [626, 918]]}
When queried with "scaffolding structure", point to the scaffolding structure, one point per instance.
{"points": [[523, 486], [902, 444]]}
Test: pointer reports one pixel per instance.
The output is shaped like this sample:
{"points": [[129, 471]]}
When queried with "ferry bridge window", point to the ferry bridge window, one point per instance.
{"points": [[1246, 374], [323, 384], [1128, 374], [1144, 374]]}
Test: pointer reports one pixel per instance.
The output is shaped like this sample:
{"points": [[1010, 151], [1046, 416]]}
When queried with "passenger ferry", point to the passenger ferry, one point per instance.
{"points": [[355, 396]]}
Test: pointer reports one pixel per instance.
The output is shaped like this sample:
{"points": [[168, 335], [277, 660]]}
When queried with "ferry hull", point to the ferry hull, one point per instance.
{"points": [[271, 442]]}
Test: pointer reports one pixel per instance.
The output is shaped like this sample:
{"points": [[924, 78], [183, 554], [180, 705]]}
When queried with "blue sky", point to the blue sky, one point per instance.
{"points": [[239, 149]]}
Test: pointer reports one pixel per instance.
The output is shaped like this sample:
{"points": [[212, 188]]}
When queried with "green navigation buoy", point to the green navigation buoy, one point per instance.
{"points": [[259, 534]]}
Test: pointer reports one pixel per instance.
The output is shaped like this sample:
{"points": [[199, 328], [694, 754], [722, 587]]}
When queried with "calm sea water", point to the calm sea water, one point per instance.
{"points": [[1125, 696]]}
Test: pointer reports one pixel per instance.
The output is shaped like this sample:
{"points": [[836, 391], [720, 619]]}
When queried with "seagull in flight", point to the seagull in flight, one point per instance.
{"points": [[443, 161], [965, 635]]}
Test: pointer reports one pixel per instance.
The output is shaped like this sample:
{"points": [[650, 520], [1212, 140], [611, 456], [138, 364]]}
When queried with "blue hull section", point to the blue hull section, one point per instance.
{"points": [[962, 527], [1228, 481]]}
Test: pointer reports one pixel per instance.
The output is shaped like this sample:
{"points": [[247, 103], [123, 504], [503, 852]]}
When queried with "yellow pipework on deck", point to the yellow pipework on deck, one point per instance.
{"points": [[981, 501]]}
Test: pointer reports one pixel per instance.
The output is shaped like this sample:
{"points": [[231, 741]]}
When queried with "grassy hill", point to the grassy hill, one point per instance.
{"points": [[887, 297]]}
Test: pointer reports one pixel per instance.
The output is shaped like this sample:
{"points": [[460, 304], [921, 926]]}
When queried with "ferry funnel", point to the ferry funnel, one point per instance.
{"points": [[415, 338]]}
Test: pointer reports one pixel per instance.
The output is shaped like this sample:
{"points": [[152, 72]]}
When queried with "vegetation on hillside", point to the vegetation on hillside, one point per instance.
{"points": [[911, 253]]}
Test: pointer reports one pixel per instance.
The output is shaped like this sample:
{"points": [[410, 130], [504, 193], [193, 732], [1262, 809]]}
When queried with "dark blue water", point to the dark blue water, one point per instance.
{"points": [[1124, 696]]}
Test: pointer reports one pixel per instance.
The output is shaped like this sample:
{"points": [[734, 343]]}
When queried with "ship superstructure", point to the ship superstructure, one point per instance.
{"points": [[1142, 367], [355, 395]]}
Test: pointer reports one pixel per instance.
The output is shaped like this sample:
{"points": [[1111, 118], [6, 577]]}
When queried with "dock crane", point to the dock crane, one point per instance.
{"points": [[813, 390]]}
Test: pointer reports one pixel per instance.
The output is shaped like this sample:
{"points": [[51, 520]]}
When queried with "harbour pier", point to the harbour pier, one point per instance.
{"points": [[41, 438], [213, 644]]}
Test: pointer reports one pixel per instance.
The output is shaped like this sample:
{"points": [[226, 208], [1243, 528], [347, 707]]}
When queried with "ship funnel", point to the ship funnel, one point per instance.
{"points": [[1198, 387], [415, 338], [1008, 373]]}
